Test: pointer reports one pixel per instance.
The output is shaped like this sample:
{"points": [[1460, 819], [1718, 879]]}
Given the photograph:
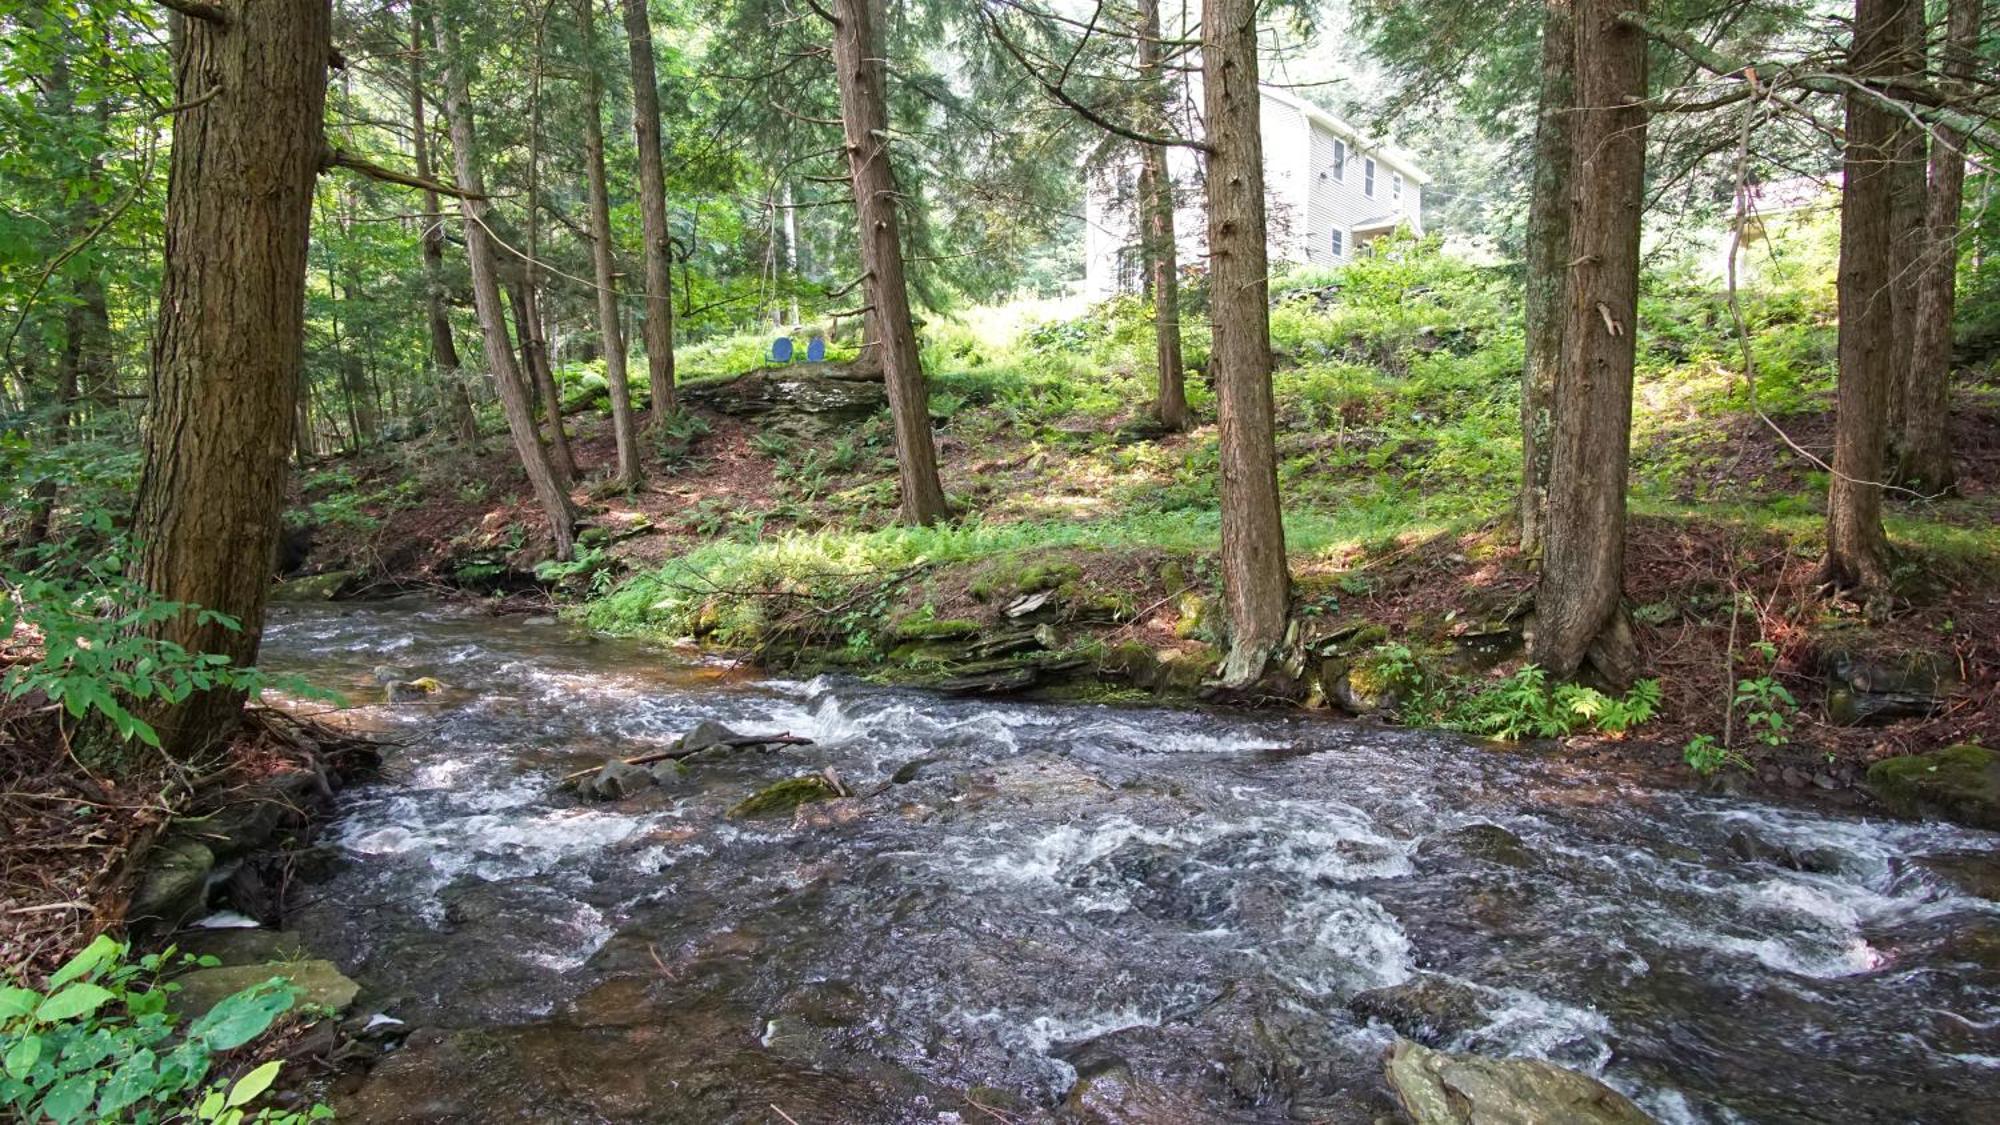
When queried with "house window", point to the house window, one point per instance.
{"points": [[1368, 177], [1339, 159], [1396, 186], [1339, 243], [1131, 269]]}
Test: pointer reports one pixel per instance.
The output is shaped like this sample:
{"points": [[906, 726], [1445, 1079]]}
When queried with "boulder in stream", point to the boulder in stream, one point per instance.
{"points": [[1960, 783], [785, 796], [1428, 1008], [615, 781], [1437, 1088]]}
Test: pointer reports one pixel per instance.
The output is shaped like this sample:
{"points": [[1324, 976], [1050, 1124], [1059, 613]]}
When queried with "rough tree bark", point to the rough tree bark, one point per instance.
{"points": [[1578, 607], [659, 326], [1547, 261], [864, 115], [624, 427], [1156, 196], [444, 350], [486, 296], [1926, 461], [1857, 550], [228, 345], [1256, 588], [532, 337], [1908, 195]]}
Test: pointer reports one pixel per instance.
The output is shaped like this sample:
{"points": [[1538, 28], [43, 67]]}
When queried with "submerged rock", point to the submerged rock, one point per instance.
{"points": [[785, 796], [1428, 1008], [405, 691], [1447, 1089], [1960, 783]]}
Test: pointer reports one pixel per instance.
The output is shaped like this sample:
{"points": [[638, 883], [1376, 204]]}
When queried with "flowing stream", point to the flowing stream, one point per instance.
{"points": [[1142, 914]]}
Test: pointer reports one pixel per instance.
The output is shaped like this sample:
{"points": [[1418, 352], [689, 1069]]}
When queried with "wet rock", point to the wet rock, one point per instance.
{"points": [[785, 797], [1974, 873], [1756, 849], [319, 984], [1428, 1008], [706, 734], [1878, 689], [615, 781], [669, 774], [1960, 783], [314, 587], [175, 886], [1485, 842], [407, 691], [1446, 1089], [243, 946]]}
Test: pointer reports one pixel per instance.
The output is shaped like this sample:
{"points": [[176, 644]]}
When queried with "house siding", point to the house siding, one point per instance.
{"points": [[1304, 202]]}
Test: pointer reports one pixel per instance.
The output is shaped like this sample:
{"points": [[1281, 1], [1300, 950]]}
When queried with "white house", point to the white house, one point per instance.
{"points": [[1329, 190]]}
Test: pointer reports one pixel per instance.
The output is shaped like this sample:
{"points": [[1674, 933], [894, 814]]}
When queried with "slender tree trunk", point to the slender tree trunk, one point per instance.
{"points": [[444, 350], [1857, 550], [1546, 257], [533, 338], [1908, 194], [1256, 587], [659, 326], [42, 499], [1926, 461], [229, 341], [864, 114], [487, 301], [1578, 607], [1156, 193], [624, 427]]}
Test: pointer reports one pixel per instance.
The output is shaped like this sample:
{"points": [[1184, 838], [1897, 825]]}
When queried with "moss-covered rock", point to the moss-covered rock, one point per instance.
{"points": [[915, 628], [784, 797], [314, 587], [1959, 783]]}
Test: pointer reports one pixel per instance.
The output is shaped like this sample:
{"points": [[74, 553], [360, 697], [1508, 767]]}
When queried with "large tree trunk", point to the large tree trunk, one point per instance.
{"points": [[1156, 195], [1256, 587], [864, 115], [624, 427], [487, 301], [1578, 607], [1546, 257], [659, 326], [1857, 550], [1908, 192], [444, 350], [1926, 461], [228, 346]]}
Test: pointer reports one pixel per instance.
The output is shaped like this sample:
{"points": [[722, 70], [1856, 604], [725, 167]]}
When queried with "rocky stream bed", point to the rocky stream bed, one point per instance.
{"points": [[1043, 912]]}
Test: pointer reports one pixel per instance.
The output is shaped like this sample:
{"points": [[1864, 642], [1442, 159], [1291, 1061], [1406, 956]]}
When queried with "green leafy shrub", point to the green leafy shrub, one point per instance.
{"points": [[1524, 706], [99, 1044], [95, 657]]}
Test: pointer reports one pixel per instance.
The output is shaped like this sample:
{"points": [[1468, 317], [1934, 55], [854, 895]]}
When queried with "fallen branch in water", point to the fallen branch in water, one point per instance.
{"points": [[739, 743]]}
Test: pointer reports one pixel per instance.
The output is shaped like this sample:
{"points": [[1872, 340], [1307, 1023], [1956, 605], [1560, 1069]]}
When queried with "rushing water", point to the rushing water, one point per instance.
{"points": [[1158, 915]]}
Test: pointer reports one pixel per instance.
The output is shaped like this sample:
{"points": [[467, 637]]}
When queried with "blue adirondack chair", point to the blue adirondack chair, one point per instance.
{"points": [[781, 350], [816, 350]]}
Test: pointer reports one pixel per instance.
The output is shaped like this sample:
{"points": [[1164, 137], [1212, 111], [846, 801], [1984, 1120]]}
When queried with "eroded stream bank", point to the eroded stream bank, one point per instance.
{"points": [[1134, 913]]}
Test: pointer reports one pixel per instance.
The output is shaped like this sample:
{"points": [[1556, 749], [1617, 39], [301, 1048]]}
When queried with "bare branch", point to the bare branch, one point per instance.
{"points": [[337, 158], [204, 10], [1055, 90]]}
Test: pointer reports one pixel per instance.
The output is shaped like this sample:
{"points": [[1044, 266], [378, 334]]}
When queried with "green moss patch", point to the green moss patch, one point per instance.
{"points": [[1960, 783]]}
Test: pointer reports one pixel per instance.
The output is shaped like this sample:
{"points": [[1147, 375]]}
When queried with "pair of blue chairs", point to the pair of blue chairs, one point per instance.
{"points": [[781, 350]]}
